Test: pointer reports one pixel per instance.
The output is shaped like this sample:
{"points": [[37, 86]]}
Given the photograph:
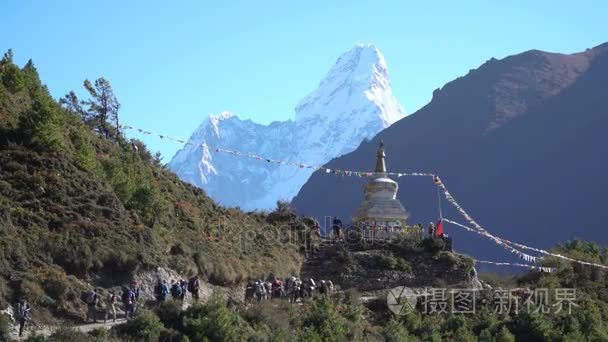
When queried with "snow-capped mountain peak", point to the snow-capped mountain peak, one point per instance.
{"points": [[214, 120], [353, 102], [360, 71], [358, 65]]}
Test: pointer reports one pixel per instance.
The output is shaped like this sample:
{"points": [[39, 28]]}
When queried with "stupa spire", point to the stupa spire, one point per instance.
{"points": [[380, 207], [380, 163]]}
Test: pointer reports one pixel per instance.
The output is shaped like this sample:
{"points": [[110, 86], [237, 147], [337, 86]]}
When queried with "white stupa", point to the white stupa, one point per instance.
{"points": [[381, 208]]}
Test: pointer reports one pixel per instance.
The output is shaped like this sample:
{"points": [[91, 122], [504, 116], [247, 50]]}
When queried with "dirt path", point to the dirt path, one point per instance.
{"points": [[83, 327], [48, 330]]}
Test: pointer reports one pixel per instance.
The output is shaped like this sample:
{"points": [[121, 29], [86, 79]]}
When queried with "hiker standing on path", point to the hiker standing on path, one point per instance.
{"points": [[161, 291], [431, 229], [317, 229], [337, 226], [194, 287], [128, 300], [260, 290], [184, 285], [176, 290], [23, 315], [92, 298], [136, 289], [111, 306]]}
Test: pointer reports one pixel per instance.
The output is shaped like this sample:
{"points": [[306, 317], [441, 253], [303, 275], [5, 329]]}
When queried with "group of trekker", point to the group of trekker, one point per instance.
{"points": [[128, 296], [292, 289], [178, 289]]}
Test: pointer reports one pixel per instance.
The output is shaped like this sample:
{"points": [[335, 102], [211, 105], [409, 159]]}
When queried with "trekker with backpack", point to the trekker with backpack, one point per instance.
{"points": [[308, 288], [23, 314], [176, 290], [249, 290], [161, 291], [260, 290], [323, 288], [91, 298], [128, 300], [337, 226], [184, 286], [194, 287], [136, 289], [111, 306], [277, 288]]}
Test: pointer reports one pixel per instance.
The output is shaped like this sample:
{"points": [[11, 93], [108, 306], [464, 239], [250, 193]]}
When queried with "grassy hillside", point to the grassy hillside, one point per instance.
{"points": [[343, 317], [76, 206]]}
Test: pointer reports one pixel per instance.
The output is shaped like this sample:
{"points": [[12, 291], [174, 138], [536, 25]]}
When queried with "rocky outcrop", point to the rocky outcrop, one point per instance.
{"points": [[382, 266], [149, 279]]}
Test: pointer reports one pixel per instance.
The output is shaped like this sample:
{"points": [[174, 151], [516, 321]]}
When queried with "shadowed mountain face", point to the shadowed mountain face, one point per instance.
{"points": [[520, 143]]}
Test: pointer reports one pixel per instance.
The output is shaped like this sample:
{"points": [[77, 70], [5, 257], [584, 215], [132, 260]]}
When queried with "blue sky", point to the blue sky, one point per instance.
{"points": [[174, 62]]}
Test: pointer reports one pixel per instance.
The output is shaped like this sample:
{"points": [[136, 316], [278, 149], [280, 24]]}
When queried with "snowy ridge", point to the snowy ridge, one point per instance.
{"points": [[352, 103]]}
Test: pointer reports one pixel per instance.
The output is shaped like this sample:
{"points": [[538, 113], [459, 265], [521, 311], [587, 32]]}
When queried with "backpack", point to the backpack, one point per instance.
{"points": [[161, 290], [127, 296], [259, 288], [90, 297], [23, 311], [176, 290], [135, 291]]}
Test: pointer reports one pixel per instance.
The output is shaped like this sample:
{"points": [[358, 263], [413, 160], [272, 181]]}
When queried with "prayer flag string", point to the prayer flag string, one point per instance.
{"points": [[477, 228]]}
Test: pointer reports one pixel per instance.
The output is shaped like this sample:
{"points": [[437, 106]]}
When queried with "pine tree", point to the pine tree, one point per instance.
{"points": [[71, 102], [103, 106], [12, 78]]}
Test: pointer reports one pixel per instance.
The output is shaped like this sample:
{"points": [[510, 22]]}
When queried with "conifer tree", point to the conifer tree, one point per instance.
{"points": [[74, 105], [102, 106]]}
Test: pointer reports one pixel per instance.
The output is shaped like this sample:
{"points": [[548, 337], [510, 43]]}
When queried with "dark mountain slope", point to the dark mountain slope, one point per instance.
{"points": [[518, 141]]}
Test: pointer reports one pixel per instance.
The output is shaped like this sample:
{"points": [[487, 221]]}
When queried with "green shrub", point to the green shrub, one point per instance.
{"points": [[36, 338], [67, 334], [309, 334], [85, 153], [385, 261], [276, 316], [41, 125], [326, 321], [394, 331], [170, 314], [5, 324], [144, 200], [55, 283], [504, 335], [146, 326], [433, 245], [213, 321], [532, 327], [100, 334]]}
